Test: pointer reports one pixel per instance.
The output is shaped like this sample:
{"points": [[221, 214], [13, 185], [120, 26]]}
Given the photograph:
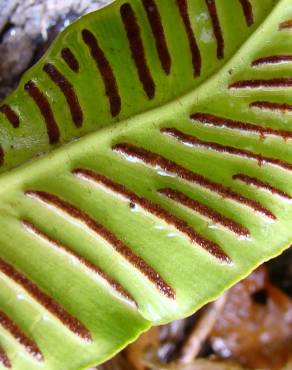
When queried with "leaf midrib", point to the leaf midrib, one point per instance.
{"points": [[182, 102]]}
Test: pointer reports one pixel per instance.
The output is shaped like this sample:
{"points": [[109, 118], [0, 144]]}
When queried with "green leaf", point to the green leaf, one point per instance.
{"points": [[146, 168]]}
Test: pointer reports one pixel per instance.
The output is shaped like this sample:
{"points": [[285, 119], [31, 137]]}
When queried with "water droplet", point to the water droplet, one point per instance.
{"points": [[165, 174], [134, 207], [202, 17], [74, 261], [213, 226], [206, 35], [20, 296], [244, 237], [131, 158], [159, 227], [45, 317]]}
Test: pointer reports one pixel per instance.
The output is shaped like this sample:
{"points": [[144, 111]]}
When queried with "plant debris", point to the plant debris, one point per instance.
{"points": [[248, 328], [255, 326]]}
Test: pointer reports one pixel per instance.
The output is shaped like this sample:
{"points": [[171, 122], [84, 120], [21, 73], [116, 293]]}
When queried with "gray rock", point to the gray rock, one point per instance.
{"points": [[27, 28]]}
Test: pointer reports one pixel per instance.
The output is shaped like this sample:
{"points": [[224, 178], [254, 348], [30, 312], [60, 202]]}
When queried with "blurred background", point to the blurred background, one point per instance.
{"points": [[250, 326], [27, 28]]}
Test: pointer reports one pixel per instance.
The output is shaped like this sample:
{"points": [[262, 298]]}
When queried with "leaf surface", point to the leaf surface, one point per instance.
{"points": [[146, 168]]}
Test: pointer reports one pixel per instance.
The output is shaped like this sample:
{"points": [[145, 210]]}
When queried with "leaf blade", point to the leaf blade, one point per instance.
{"points": [[189, 270]]}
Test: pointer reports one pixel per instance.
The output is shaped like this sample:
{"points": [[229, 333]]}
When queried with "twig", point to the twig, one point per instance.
{"points": [[201, 330]]}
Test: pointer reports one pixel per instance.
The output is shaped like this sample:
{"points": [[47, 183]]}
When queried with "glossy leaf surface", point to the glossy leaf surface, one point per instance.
{"points": [[146, 167]]}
